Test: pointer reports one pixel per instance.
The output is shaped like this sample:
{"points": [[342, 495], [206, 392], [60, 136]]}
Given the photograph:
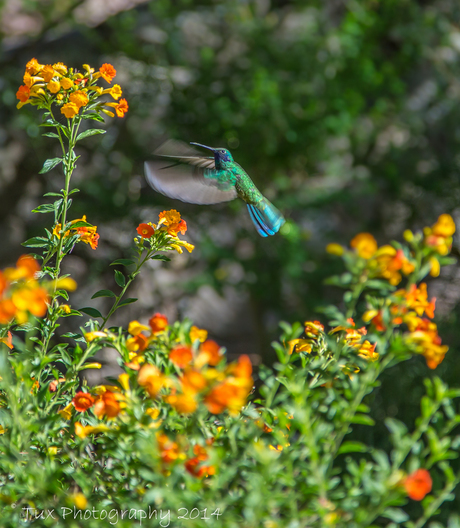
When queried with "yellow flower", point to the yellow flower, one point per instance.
{"points": [[79, 500], [364, 244], [444, 227], [2, 430], [70, 110], [115, 91], [367, 351], [66, 413], [135, 328], [300, 345], [66, 83], [47, 73], [335, 249], [197, 333], [54, 86], [52, 450], [66, 283], [183, 403], [60, 68], [169, 217], [179, 244], [33, 67], [435, 267], [91, 336], [124, 381], [79, 98], [66, 308], [83, 431]]}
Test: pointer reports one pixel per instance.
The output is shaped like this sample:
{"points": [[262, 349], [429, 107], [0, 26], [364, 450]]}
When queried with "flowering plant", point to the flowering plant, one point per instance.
{"points": [[183, 434]]}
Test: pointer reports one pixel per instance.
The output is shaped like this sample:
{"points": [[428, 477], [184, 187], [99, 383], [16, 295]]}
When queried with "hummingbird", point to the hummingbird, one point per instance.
{"points": [[196, 178]]}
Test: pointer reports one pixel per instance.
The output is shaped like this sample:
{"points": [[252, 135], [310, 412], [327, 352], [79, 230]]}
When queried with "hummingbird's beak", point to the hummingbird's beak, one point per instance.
{"points": [[204, 146]]}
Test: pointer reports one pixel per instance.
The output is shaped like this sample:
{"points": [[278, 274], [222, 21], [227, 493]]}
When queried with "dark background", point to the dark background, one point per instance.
{"points": [[345, 114]]}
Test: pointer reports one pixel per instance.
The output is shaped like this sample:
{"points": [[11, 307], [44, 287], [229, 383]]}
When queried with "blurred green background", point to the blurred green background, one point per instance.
{"points": [[345, 113]]}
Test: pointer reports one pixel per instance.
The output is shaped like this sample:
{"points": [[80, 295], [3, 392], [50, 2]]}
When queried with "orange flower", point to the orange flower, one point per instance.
{"points": [[210, 353], [418, 484], [66, 83], [8, 340], [89, 236], [79, 98], [181, 356], [145, 230], [107, 72], [7, 311], [47, 73], [158, 322], [137, 343], [70, 110], [364, 244], [82, 401], [193, 381], [198, 334], [299, 345], [23, 94], [54, 384], [3, 282], [193, 464], [151, 379], [313, 328], [183, 403], [33, 299], [424, 337], [169, 450], [28, 266], [54, 86], [391, 262], [33, 67], [121, 108], [169, 217], [107, 405], [439, 236]]}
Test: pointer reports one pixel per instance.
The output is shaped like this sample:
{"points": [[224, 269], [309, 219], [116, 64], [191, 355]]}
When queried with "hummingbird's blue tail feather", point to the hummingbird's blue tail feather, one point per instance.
{"points": [[266, 217]]}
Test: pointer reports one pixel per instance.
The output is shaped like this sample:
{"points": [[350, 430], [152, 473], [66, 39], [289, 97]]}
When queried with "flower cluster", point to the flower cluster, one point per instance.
{"points": [[86, 233], [392, 262], [172, 451], [170, 225], [411, 307], [315, 340], [21, 293], [69, 89]]}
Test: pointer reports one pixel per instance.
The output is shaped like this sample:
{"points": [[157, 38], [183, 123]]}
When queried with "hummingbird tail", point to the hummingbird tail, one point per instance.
{"points": [[266, 217]]}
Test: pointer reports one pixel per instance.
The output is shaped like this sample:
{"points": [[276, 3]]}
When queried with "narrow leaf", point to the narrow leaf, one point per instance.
{"points": [[352, 447], [362, 419], [103, 293], [50, 164], [91, 132], [91, 312], [36, 242], [122, 262], [129, 300], [44, 208], [51, 135], [164, 258], [120, 278]]}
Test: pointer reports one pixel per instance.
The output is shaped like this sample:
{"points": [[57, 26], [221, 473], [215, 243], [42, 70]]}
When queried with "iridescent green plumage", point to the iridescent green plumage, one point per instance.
{"points": [[211, 180]]}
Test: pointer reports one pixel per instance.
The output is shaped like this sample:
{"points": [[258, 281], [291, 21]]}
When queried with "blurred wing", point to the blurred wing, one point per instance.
{"points": [[183, 153], [188, 184]]}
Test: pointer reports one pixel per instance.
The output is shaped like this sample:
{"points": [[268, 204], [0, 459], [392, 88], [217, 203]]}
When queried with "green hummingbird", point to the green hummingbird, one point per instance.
{"points": [[199, 179]]}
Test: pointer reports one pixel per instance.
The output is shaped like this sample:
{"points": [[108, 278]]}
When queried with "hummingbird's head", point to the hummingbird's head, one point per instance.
{"points": [[221, 155]]}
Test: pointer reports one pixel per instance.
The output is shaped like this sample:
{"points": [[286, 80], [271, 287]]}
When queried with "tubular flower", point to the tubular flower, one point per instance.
{"points": [[183, 403], [135, 328], [83, 431], [426, 341], [121, 108], [418, 484], [439, 235], [210, 353], [181, 356], [158, 322], [33, 67], [367, 351], [197, 334], [364, 244], [313, 328], [115, 91], [54, 86], [82, 401], [193, 381], [138, 343], [299, 345], [151, 379], [169, 450], [145, 230], [391, 262], [31, 298], [67, 83], [194, 465], [79, 98], [70, 110], [26, 268], [107, 405], [417, 299], [23, 94], [8, 341], [107, 72]]}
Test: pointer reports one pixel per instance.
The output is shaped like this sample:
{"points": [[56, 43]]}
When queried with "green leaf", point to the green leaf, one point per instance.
{"points": [[36, 242], [103, 293], [396, 515], [362, 419], [51, 135], [50, 164], [120, 278], [73, 335], [80, 223], [44, 208], [352, 447], [164, 258], [129, 300], [90, 132], [122, 262], [91, 312], [94, 116], [53, 194]]}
